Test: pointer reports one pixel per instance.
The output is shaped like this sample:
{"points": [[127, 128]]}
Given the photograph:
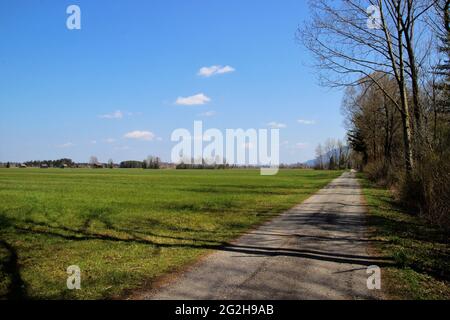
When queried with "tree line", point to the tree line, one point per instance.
{"points": [[332, 155], [150, 163], [51, 163], [395, 69]]}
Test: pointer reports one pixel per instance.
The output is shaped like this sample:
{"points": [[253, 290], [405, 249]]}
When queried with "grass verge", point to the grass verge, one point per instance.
{"points": [[420, 251]]}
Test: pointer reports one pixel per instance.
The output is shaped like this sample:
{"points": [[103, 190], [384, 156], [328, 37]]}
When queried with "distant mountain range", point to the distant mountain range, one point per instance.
{"points": [[310, 163]]}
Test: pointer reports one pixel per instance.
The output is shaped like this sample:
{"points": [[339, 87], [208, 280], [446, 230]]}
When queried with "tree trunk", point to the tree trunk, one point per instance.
{"points": [[406, 118], [408, 154]]}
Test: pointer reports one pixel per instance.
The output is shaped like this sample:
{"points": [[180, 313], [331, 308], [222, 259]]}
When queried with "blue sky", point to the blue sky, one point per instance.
{"points": [[61, 90]]}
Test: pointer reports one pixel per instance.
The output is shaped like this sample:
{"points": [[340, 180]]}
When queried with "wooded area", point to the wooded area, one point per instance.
{"points": [[392, 57]]}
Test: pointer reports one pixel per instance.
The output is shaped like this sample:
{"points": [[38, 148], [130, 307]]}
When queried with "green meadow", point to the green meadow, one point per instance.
{"points": [[125, 228]]}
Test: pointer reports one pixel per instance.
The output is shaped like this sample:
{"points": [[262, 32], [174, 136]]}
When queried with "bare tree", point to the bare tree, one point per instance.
{"points": [[343, 151], [330, 153], [319, 157], [93, 160], [439, 20], [350, 49], [152, 162], [334, 154]]}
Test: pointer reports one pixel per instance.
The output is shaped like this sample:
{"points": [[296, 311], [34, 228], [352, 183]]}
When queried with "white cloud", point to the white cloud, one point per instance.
{"points": [[140, 135], [306, 122], [66, 145], [110, 140], [276, 125], [94, 142], [208, 114], [213, 70], [115, 115], [198, 99]]}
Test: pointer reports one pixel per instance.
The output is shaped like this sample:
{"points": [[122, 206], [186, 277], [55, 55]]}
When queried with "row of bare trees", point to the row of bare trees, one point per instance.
{"points": [[392, 57], [332, 155]]}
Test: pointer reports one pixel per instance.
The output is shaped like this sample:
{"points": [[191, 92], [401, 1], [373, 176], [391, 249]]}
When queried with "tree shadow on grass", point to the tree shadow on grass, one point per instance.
{"points": [[418, 247], [16, 289], [73, 234], [251, 250], [114, 233]]}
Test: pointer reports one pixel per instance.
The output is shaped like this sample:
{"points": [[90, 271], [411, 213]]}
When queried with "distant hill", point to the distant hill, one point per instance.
{"points": [[310, 163]]}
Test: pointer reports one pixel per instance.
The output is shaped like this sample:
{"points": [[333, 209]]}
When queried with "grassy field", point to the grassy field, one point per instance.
{"points": [[124, 228], [421, 252]]}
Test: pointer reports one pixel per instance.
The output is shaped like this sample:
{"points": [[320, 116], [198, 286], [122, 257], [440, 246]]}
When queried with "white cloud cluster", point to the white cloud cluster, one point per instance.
{"points": [[276, 125], [115, 115], [306, 122], [195, 100], [140, 135], [215, 70]]}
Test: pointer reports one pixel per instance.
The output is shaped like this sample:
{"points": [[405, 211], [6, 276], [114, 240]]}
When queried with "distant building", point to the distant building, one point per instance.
{"points": [[22, 165], [44, 166], [166, 165]]}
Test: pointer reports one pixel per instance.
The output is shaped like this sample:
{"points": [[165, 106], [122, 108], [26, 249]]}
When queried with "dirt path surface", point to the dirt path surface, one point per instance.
{"points": [[317, 250]]}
